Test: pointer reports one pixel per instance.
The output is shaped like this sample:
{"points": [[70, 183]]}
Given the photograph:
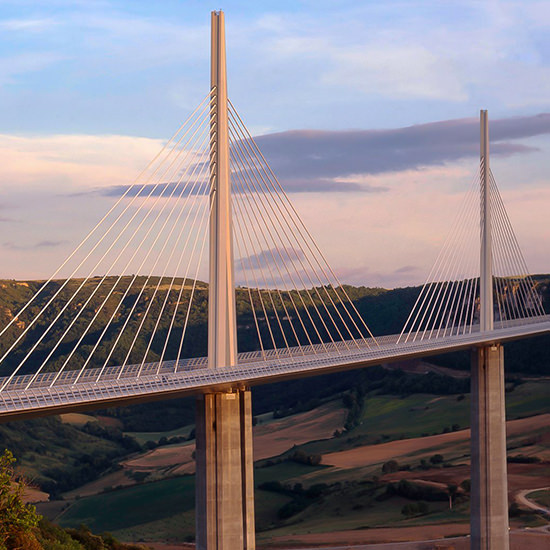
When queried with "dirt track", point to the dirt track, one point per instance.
{"points": [[521, 498]]}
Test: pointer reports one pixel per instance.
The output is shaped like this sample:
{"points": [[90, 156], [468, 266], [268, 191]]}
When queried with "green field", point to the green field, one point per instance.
{"points": [[132, 506], [153, 511], [528, 399], [389, 417], [541, 497], [143, 437], [164, 510], [354, 506]]}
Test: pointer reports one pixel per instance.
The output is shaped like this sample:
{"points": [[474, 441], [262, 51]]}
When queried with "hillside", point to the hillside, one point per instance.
{"points": [[384, 310], [314, 476], [107, 460]]}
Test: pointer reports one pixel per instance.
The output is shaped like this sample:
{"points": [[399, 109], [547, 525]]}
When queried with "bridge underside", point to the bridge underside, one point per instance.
{"points": [[192, 377]]}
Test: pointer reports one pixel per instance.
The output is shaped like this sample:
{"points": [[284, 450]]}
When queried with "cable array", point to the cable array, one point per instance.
{"points": [[296, 301], [515, 291], [131, 296], [449, 301], [148, 249]]}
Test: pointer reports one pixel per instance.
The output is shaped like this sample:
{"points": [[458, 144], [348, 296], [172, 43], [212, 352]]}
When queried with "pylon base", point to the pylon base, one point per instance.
{"points": [[225, 482]]}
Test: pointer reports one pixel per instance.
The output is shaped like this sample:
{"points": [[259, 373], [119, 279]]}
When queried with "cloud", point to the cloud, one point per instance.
{"points": [[464, 53], [3, 218], [314, 185], [15, 65], [72, 163], [304, 160], [310, 157], [406, 269], [368, 238], [27, 25], [402, 72], [166, 190], [175, 189], [35, 246], [286, 255], [326, 185]]}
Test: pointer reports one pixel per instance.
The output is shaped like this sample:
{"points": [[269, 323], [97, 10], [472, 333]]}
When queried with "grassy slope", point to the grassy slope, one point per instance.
{"points": [[44, 445], [540, 497], [164, 509], [144, 437], [141, 504], [351, 506], [388, 417]]}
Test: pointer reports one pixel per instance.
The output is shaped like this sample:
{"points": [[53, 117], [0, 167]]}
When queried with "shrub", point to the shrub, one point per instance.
{"points": [[302, 458], [414, 509], [17, 519], [523, 459], [390, 467], [292, 508]]}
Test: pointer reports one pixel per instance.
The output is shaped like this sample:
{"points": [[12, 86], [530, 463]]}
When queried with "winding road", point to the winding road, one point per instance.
{"points": [[521, 498]]}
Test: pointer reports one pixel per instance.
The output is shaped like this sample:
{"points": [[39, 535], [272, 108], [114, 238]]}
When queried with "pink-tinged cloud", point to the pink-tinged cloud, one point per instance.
{"points": [[368, 237], [307, 158]]}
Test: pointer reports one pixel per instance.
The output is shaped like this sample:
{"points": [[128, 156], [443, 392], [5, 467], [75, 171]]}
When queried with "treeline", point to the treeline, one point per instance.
{"points": [[287, 398], [46, 440], [21, 528], [59, 457], [110, 320], [301, 497], [385, 311]]}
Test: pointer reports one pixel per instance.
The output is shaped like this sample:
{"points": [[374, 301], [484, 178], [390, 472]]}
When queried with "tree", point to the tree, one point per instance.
{"points": [[465, 485], [390, 467], [21, 528], [436, 459], [17, 519]]}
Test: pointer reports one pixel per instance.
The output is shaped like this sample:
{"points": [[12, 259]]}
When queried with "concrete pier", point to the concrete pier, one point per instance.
{"points": [[489, 484], [225, 485]]}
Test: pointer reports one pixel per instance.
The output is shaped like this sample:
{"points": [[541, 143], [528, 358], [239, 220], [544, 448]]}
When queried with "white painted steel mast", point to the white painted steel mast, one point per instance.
{"points": [[486, 260], [222, 330]]}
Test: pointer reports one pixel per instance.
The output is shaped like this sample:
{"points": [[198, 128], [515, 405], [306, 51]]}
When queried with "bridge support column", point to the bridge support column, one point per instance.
{"points": [[489, 484], [225, 482]]}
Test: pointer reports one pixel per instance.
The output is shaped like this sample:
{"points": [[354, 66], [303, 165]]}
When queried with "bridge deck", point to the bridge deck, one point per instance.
{"points": [[192, 376]]}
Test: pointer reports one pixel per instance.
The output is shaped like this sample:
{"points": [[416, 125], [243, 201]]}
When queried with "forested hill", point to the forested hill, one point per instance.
{"points": [[384, 310], [91, 452]]}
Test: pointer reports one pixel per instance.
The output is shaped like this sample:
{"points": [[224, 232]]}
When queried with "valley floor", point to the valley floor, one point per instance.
{"points": [[318, 485]]}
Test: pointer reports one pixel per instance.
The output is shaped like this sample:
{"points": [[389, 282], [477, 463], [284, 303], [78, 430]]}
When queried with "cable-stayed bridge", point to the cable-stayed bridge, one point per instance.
{"points": [[208, 207], [27, 395], [87, 338]]}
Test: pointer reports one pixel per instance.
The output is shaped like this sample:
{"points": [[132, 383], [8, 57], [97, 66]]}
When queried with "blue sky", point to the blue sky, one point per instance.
{"points": [[89, 89], [137, 67]]}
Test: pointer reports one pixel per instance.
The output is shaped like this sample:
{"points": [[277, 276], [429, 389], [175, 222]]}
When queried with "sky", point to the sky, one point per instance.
{"points": [[367, 111]]}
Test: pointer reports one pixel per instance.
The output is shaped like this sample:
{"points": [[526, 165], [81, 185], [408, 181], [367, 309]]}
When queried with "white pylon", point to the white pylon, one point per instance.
{"points": [[486, 260], [222, 324]]}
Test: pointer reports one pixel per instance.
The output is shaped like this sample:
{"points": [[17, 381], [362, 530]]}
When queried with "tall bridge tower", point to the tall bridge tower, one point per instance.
{"points": [[138, 351], [225, 485], [489, 484]]}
